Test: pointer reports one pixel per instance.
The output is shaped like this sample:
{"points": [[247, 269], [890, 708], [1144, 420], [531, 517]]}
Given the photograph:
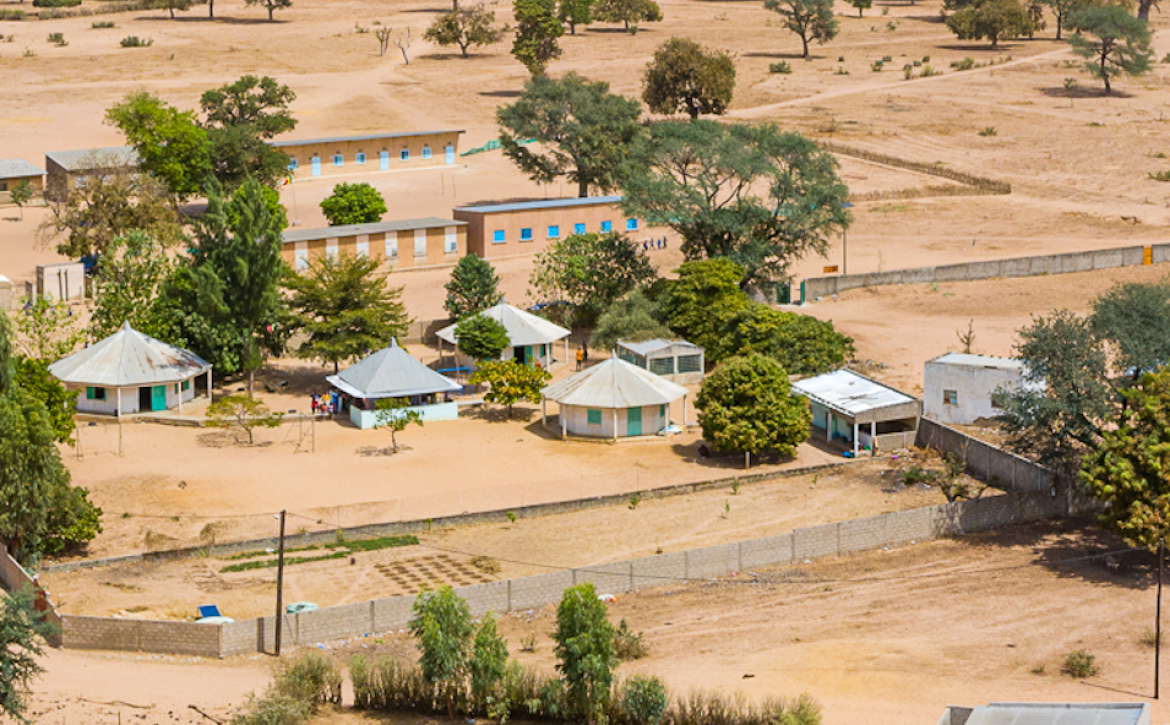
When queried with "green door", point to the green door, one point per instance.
{"points": [[158, 397], [634, 422]]}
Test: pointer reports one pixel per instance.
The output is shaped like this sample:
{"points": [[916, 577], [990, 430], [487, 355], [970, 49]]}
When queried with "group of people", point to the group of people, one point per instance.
{"points": [[658, 243], [325, 404]]}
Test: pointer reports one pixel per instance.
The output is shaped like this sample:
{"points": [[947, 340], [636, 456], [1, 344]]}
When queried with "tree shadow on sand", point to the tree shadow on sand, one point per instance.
{"points": [[1082, 92]]}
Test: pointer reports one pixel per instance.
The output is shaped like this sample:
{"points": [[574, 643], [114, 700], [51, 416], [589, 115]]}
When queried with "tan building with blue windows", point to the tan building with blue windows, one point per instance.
{"points": [[523, 228], [402, 244], [335, 156]]}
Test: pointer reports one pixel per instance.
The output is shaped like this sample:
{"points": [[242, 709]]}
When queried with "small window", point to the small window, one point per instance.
{"points": [[578, 228], [950, 397], [292, 164], [176, 388], [404, 155], [662, 365], [662, 411], [593, 417], [338, 160], [95, 393], [526, 234], [450, 240], [186, 385], [426, 152], [689, 363], [607, 226], [554, 232], [631, 225], [360, 157], [498, 237], [3, 186]]}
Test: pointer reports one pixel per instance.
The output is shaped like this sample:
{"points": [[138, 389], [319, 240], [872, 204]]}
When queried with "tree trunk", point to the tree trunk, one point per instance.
{"points": [[747, 459], [1105, 72], [211, 8], [1143, 12], [804, 42], [270, 9], [572, 28], [994, 42], [582, 189], [251, 382], [1059, 24], [860, 12], [463, 48], [335, 368]]}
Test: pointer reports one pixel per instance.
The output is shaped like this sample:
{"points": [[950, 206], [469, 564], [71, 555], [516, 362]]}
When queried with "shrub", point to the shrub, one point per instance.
{"points": [[442, 626], [272, 710], [989, 131], [781, 67], [841, 72], [12, 14], [929, 71], [1160, 175], [964, 64], [585, 654], [311, 679], [1079, 664], [914, 475], [489, 660], [887, 59], [907, 72], [102, 24], [627, 644], [56, 3], [133, 41], [876, 66], [58, 39], [643, 700]]}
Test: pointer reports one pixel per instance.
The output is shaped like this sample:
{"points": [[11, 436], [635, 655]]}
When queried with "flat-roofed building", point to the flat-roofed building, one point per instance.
{"points": [[338, 155], [527, 227], [69, 170], [401, 244], [959, 388], [13, 172]]}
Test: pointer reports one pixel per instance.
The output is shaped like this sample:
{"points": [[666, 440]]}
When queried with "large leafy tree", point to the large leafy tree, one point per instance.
{"points": [[745, 405], [994, 20], [1135, 320], [627, 12], [344, 309], [442, 625], [127, 283], [34, 377], [803, 345], [511, 381], [753, 194], [474, 286], [585, 655], [240, 118], [812, 20], [465, 27], [481, 338], [47, 331], [589, 271], [170, 143], [584, 131], [537, 29], [23, 628], [634, 318], [353, 204], [705, 295], [1129, 468], [683, 76], [575, 12], [1111, 41]]}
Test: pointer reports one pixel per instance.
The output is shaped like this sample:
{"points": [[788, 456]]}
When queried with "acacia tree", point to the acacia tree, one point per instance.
{"points": [[810, 19], [21, 194], [705, 295], [474, 286], [584, 650], [584, 131], [1062, 9], [589, 271], [243, 412], [353, 204], [683, 76], [1134, 320], [510, 382], [537, 30], [344, 309], [271, 5], [575, 12], [465, 28], [171, 5], [862, 6], [442, 625], [754, 194], [994, 20], [22, 630], [745, 405], [627, 12], [394, 415], [1120, 43]]}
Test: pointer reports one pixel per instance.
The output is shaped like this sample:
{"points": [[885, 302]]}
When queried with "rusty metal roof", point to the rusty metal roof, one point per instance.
{"points": [[126, 359], [614, 383]]}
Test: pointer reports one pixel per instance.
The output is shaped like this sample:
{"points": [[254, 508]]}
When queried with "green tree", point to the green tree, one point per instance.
{"points": [[171, 5], [21, 194], [47, 330], [1062, 9], [510, 382], [537, 31], [170, 144], [1127, 470], [810, 19], [590, 272], [634, 318], [271, 5], [442, 625], [489, 661], [474, 286], [683, 76], [862, 6], [584, 650], [394, 415], [575, 12], [1135, 320], [344, 309], [754, 194], [465, 28], [481, 338], [627, 12], [705, 295], [583, 130], [644, 700], [994, 20], [33, 376], [803, 345], [242, 412], [22, 630], [127, 283], [745, 405], [353, 204], [1120, 43], [240, 118]]}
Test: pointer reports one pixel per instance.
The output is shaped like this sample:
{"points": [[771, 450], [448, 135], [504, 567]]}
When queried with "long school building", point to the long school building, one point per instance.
{"points": [[339, 155], [402, 244], [523, 228]]}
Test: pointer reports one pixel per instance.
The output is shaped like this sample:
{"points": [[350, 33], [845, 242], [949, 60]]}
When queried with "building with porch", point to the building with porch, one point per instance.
{"points": [[129, 372], [530, 338], [852, 410], [339, 155], [613, 399], [676, 360], [393, 373]]}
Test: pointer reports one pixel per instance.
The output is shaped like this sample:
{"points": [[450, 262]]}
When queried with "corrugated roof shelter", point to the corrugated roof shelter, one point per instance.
{"points": [[156, 375], [676, 360], [959, 388], [842, 401], [613, 399], [393, 373], [530, 337], [1045, 713]]}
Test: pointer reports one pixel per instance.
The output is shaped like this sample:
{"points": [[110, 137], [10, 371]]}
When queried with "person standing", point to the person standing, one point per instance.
{"points": [[580, 357]]}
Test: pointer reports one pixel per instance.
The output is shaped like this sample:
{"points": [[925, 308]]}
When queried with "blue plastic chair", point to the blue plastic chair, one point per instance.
{"points": [[209, 610]]}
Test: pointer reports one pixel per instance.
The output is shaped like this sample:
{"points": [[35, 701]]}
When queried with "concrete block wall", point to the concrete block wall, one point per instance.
{"points": [[984, 461], [607, 578], [653, 571], [764, 552], [861, 534], [107, 633], [816, 542], [536, 591], [712, 561]]}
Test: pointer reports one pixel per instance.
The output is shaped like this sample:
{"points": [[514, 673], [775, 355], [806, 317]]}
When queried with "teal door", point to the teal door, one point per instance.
{"points": [[450, 154], [316, 166], [634, 422], [158, 397], [384, 161]]}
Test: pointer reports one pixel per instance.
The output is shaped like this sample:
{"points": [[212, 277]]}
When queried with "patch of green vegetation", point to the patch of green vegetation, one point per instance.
{"points": [[382, 542], [290, 561], [888, 208], [341, 549]]}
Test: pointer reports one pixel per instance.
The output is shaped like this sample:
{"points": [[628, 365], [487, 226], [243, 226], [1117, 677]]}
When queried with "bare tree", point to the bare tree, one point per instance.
{"points": [[383, 35], [403, 43], [967, 339]]}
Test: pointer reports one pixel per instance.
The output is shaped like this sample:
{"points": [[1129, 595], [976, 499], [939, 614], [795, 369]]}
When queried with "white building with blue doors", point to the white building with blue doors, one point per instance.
{"points": [[129, 372], [531, 339], [393, 373], [855, 412]]}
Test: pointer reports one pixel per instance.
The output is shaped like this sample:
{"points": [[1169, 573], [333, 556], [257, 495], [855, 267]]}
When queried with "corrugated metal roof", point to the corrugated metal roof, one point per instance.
{"points": [[614, 383], [648, 347], [980, 361], [367, 137], [543, 204], [83, 159], [1010, 713], [352, 230], [391, 373], [128, 358], [845, 391], [18, 168], [524, 328]]}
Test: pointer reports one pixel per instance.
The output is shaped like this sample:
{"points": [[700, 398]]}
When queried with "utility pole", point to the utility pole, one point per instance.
{"points": [[280, 584], [1158, 623]]}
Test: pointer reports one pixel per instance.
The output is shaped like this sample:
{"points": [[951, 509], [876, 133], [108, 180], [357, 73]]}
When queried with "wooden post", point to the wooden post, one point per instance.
{"points": [[280, 585], [857, 437], [1158, 617], [615, 428]]}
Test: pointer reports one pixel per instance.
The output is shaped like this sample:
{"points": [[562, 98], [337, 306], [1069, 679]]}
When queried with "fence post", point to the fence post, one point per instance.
{"points": [[509, 595]]}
